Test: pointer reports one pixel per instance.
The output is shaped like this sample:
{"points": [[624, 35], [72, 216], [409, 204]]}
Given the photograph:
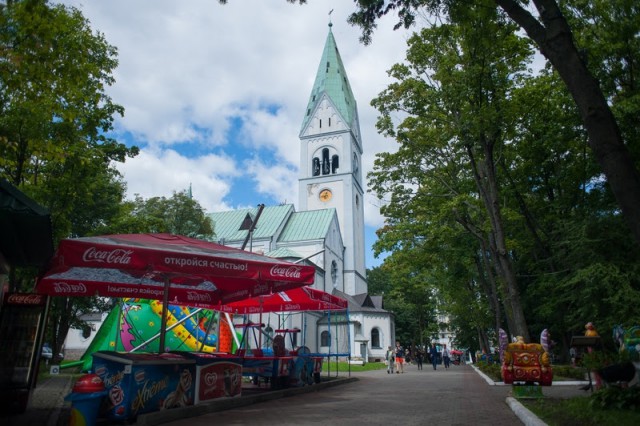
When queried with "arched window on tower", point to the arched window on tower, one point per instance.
{"points": [[335, 164], [326, 167], [316, 166]]}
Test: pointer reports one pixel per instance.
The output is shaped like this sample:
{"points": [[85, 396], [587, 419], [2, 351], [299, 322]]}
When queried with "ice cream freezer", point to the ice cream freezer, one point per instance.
{"points": [[138, 383], [217, 375]]}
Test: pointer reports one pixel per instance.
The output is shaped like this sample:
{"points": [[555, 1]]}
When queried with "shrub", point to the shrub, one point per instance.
{"points": [[568, 372], [619, 398], [490, 369]]}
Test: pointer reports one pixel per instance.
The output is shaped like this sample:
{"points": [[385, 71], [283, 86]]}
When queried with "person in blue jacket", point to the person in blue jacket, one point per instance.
{"points": [[433, 352]]}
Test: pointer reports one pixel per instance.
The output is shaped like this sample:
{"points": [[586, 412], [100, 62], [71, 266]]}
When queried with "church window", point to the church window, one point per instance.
{"points": [[375, 338], [324, 339], [316, 166], [309, 111], [326, 167], [313, 99], [321, 123], [335, 163], [86, 332], [329, 121]]}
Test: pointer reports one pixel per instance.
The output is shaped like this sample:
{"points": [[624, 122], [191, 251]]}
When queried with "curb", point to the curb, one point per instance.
{"points": [[523, 413]]}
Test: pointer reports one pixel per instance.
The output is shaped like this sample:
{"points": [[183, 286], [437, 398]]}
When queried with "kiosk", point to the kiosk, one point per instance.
{"points": [[138, 383]]}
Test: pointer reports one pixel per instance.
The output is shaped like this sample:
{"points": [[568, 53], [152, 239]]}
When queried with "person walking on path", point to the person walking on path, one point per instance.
{"points": [[390, 357], [419, 358], [433, 352], [399, 358], [446, 356]]}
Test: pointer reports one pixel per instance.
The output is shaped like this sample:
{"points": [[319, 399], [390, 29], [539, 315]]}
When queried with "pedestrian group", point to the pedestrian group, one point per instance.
{"points": [[396, 357]]}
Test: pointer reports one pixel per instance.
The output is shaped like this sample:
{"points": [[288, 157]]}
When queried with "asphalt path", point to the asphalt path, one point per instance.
{"points": [[457, 396]]}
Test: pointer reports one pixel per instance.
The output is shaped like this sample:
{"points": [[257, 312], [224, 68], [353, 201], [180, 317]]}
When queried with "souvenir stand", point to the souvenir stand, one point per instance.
{"points": [[175, 269]]}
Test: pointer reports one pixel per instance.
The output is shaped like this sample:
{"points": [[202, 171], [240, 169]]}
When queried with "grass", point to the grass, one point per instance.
{"points": [[579, 411], [582, 411]]}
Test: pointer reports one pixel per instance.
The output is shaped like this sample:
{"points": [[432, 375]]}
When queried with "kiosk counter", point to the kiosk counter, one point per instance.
{"points": [[217, 375], [138, 383]]}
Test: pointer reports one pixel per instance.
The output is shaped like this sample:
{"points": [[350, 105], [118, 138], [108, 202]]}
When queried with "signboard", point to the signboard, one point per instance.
{"points": [[21, 326]]}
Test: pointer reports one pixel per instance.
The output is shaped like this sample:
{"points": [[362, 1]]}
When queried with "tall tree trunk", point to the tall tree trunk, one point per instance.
{"points": [[555, 40], [486, 181], [487, 278]]}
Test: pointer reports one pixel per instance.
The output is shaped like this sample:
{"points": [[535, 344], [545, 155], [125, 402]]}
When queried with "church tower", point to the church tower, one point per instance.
{"points": [[330, 158]]}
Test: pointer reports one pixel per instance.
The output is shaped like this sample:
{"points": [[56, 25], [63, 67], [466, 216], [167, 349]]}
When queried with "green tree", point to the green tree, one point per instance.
{"points": [[455, 90], [54, 117], [180, 215], [552, 34], [378, 281]]}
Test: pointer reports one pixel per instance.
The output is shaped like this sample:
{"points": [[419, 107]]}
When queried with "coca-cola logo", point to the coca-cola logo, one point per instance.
{"points": [[115, 256], [286, 271], [25, 299], [65, 288]]}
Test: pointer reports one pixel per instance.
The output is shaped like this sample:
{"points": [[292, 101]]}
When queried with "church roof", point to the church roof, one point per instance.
{"points": [[359, 302], [310, 225], [283, 253], [281, 222], [331, 79], [226, 225]]}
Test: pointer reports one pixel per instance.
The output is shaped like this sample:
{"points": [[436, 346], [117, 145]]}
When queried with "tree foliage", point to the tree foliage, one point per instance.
{"points": [[54, 116], [554, 37], [456, 100], [456, 89], [179, 215]]}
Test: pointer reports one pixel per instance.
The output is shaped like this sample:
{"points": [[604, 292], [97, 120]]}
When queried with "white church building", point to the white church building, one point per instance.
{"points": [[327, 231]]}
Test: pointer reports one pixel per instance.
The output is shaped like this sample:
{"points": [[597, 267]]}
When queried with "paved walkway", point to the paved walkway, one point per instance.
{"points": [[458, 396]]}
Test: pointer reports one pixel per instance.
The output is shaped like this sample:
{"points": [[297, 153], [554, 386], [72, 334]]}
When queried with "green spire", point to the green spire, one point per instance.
{"points": [[331, 79]]}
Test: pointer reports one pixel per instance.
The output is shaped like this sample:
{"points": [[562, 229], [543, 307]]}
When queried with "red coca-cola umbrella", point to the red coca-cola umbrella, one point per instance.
{"points": [[298, 299], [166, 267], [199, 273]]}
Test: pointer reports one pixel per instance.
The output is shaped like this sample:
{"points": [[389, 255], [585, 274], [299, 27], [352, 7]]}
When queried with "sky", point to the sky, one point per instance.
{"points": [[215, 95]]}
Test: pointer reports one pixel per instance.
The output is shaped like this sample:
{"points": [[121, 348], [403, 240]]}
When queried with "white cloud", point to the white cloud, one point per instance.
{"points": [[153, 174], [187, 68]]}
